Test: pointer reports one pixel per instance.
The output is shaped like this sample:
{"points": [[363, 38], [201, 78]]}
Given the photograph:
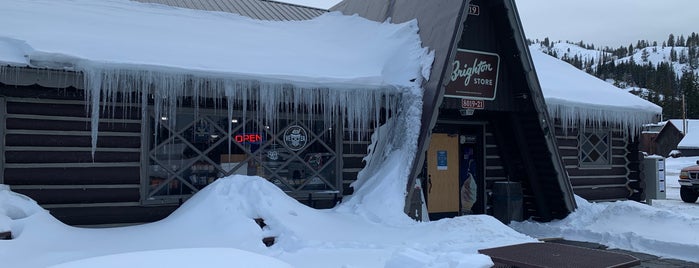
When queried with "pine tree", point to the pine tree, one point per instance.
{"points": [[644, 55], [671, 40], [680, 41], [689, 88]]}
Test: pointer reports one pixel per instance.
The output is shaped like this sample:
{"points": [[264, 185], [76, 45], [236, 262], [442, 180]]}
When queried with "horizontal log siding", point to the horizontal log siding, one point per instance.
{"points": [[495, 171], [603, 183], [47, 154]]}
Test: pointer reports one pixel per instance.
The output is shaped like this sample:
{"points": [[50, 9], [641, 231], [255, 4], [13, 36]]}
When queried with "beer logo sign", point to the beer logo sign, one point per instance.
{"points": [[295, 137]]}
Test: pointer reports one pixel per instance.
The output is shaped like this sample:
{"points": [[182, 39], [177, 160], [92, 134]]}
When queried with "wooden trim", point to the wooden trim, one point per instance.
{"points": [[3, 120], [599, 186], [70, 133], [462, 122], [356, 142], [144, 165], [598, 177], [72, 102], [351, 169], [69, 149], [84, 205], [58, 165], [70, 118], [25, 76], [74, 186]]}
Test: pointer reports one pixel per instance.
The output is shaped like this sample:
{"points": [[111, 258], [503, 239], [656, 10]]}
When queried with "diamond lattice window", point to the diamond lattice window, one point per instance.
{"points": [[299, 156], [595, 148]]}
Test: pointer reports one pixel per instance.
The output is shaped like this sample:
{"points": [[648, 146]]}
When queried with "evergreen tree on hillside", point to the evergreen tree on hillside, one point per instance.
{"points": [[690, 90], [666, 87], [671, 40], [680, 41]]}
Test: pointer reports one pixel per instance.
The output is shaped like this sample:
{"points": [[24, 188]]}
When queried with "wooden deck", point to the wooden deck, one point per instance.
{"points": [[554, 255]]}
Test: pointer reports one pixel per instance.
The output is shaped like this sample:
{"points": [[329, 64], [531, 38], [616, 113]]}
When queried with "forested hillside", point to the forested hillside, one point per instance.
{"points": [[662, 73]]}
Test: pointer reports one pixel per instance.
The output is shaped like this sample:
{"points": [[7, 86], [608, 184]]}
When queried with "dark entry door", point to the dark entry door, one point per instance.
{"points": [[469, 176]]}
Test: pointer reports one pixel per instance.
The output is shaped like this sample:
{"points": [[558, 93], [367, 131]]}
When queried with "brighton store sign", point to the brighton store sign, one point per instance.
{"points": [[474, 75]]}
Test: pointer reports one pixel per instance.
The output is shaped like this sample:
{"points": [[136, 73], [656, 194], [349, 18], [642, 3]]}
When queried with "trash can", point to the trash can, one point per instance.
{"points": [[507, 201]]}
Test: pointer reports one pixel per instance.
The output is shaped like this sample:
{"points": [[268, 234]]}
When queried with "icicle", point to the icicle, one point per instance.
{"points": [[629, 121], [93, 85], [359, 107]]}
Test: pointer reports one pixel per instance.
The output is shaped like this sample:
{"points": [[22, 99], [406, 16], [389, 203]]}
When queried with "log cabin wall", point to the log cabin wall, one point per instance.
{"points": [[616, 180], [47, 156]]}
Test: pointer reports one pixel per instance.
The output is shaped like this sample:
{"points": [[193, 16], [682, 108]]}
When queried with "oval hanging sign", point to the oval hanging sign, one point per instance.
{"points": [[295, 137]]}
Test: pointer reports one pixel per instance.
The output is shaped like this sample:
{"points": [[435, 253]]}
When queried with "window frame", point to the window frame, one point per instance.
{"points": [[333, 186], [584, 136]]}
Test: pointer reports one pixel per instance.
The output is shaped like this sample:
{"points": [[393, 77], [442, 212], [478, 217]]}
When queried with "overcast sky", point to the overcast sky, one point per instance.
{"points": [[601, 22]]}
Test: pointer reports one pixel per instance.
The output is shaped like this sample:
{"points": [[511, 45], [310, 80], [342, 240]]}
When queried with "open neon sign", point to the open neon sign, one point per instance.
{"points": [[249, 138]]}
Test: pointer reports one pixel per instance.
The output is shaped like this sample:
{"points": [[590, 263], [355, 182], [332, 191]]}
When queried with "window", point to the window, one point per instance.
{"points": [[299, 156], [594, 148]]}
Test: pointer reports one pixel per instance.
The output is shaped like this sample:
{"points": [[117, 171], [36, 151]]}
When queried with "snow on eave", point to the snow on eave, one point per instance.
{"points": [[333, 47], [348, 64], [577, 115], [579, 99]]}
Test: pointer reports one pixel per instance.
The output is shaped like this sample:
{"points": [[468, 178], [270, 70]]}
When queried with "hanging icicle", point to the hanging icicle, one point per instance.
{"points": [[360, 107]]}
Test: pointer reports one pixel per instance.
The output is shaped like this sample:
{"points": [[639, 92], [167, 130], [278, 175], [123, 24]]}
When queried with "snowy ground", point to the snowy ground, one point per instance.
{"points": [[667, 229], [217, 226]]}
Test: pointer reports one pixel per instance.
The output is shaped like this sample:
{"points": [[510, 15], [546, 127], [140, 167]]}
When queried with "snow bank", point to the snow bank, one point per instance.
{"points": [[221, 217], [15, 207], [626, 225], [578, 98], [179, 258]]}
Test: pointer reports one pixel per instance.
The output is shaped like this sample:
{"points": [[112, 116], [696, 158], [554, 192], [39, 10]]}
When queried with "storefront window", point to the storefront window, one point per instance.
{"points": [[299, 156]]}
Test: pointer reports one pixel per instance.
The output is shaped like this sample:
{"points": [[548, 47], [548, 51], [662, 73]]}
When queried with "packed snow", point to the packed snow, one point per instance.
{"points": [[221, 217], [666, 229], [578, 98], [216, 227]]}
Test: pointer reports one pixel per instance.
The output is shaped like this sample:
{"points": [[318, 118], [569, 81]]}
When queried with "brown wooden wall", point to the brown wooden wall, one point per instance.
{"points": [[46, 155], [616, 182]]}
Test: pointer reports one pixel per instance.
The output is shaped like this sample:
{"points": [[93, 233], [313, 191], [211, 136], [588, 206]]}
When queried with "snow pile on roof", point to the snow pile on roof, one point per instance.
{"points": [[346, 63], [123, 35], [691, 133], [222, 216], [578, 98]]}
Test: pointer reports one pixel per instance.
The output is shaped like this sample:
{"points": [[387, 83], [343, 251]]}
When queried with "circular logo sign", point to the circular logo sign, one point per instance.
{"points": [[295, 137]]}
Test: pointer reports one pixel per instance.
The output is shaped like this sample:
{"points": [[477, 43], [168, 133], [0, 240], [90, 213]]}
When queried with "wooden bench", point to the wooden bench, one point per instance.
{"points": [[554, 255]]}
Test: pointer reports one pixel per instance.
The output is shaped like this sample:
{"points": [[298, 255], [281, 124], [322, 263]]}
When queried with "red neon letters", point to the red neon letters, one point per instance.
{"points": [[248, 138]]}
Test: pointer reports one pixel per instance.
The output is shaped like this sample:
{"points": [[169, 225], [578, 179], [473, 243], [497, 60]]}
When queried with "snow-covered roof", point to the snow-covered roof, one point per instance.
{"points": [[345, 62], [575, 96], [332, 49], [691, 133]]}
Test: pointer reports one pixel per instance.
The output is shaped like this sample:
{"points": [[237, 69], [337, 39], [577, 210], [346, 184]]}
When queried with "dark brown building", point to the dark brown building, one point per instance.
{"points": [[484, 125]]}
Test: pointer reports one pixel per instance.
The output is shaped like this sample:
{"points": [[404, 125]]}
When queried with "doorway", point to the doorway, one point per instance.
{"points": [[455, 171]]}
